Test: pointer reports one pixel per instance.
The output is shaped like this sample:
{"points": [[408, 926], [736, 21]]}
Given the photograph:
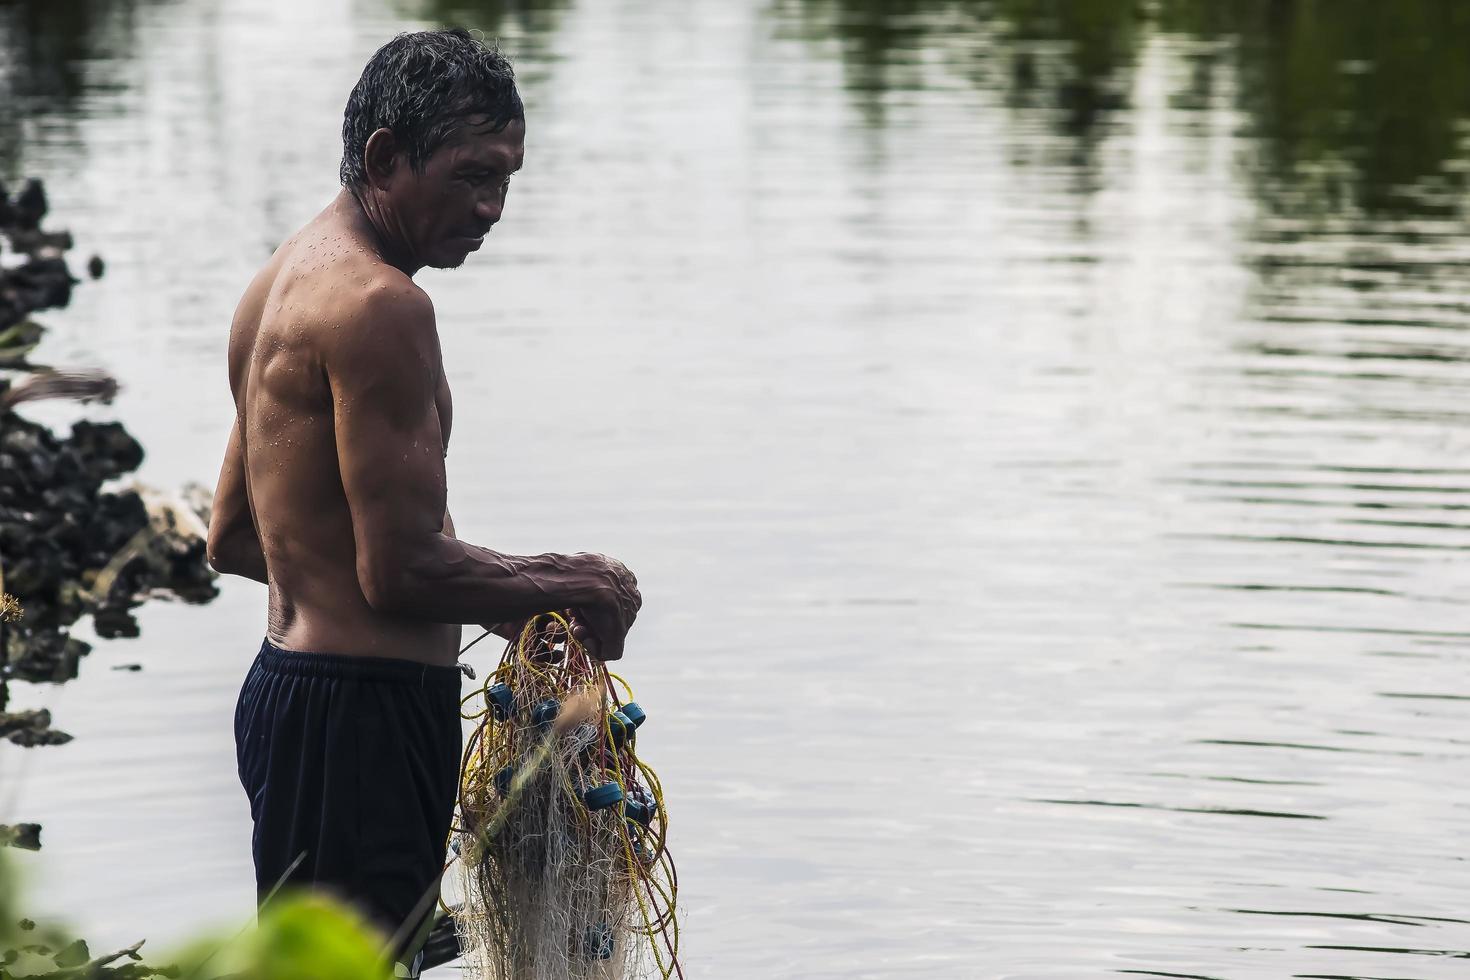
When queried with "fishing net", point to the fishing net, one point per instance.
{"points": [[561, 836]]}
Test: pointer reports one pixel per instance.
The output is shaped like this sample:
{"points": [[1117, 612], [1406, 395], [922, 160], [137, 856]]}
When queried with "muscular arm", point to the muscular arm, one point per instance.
{"points": [[233, 547], [509, 630], [384, 366]]}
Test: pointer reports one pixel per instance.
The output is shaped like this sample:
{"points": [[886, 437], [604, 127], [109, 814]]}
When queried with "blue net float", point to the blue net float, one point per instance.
{"points": [[545, 712], [501, 700], [602, 797]]}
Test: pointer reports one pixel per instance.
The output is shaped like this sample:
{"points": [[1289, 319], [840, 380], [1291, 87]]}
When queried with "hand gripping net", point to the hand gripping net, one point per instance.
{"points": [[561, 832]]}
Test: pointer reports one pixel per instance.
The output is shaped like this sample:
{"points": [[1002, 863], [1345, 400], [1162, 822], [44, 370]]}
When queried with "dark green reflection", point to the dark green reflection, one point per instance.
{"points": [[1089, 78], [879, 42], [46, 42], [524, 28], [47, 52], [527, 17], [1078, 82], [1356, 103], [1382, 88]]}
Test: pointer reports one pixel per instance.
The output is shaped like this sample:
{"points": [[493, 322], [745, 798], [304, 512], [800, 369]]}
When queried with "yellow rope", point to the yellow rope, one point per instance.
{"points": [[489, 750]]}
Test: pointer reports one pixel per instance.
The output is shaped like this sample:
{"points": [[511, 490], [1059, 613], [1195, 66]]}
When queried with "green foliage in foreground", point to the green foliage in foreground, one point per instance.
{"points": [[301, 937]]}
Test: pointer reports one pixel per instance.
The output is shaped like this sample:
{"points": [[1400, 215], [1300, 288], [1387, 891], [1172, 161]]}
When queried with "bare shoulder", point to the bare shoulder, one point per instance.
{"points": [[381, 338], [390, 300], [380, 309]]}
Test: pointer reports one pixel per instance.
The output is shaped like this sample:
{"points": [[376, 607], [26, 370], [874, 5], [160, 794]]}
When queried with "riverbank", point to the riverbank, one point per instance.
{"points": [[72, 543]]}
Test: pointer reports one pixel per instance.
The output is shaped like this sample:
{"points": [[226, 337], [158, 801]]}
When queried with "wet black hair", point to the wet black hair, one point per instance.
{"points": [[422, 86]]}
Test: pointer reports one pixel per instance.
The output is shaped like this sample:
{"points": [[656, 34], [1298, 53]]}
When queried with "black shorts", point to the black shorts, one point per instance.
{"points": [[352, 768]]}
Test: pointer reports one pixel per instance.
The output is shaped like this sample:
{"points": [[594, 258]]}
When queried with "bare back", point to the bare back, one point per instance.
{"points": [[306, 304]]}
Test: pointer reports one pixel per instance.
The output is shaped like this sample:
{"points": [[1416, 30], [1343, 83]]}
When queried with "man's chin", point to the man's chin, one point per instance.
{"points": [[452, 255], [449, 258]]}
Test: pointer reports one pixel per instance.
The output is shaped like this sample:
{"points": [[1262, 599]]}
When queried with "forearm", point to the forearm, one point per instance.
{"points": [[457, 582], [507, 630]]}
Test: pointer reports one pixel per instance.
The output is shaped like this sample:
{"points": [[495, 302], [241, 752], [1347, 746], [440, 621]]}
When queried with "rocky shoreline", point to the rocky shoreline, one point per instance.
{"points": [[70, 545]]}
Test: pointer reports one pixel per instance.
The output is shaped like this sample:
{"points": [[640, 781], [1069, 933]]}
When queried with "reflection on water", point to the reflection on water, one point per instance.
{"points": [[1037, 426], [1352, 105], [531, 23], [44, 50]]}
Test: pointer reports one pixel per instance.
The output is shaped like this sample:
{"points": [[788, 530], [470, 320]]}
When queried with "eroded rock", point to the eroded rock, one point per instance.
{"points": [[26, 836], [70, 545], [31, 728]]}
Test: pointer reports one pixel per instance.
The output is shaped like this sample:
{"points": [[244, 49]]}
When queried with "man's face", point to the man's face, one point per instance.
{"points": [[447, 210]]}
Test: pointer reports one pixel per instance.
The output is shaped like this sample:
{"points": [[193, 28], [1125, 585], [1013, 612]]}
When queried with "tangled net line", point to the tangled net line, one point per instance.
{"points": [[561, 836]]}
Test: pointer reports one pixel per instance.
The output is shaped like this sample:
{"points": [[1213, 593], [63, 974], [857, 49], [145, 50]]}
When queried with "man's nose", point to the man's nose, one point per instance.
{"points": [[489, 211]]}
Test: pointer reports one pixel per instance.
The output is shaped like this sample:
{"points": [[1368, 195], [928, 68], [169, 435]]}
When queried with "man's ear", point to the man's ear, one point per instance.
{"points": [[380, 156]]}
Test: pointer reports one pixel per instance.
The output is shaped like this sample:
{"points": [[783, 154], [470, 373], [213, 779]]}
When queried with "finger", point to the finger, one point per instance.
{"points": [[575, 621]]}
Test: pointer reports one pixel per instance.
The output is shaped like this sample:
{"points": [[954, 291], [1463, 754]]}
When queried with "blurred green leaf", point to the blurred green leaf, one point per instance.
{"points": [[299, 937], [309, 937], [74, 955], [304, 936]]}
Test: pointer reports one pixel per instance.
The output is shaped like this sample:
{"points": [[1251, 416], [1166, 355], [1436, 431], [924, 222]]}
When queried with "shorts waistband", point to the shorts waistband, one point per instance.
{"points": [[301, 663]]}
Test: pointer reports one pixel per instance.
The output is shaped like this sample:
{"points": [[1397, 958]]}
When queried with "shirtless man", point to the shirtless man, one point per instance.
{"points": [[333, 493]]}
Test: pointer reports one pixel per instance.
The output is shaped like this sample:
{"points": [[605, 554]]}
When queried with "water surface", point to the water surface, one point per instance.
{"points": [[1038, 428]]}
